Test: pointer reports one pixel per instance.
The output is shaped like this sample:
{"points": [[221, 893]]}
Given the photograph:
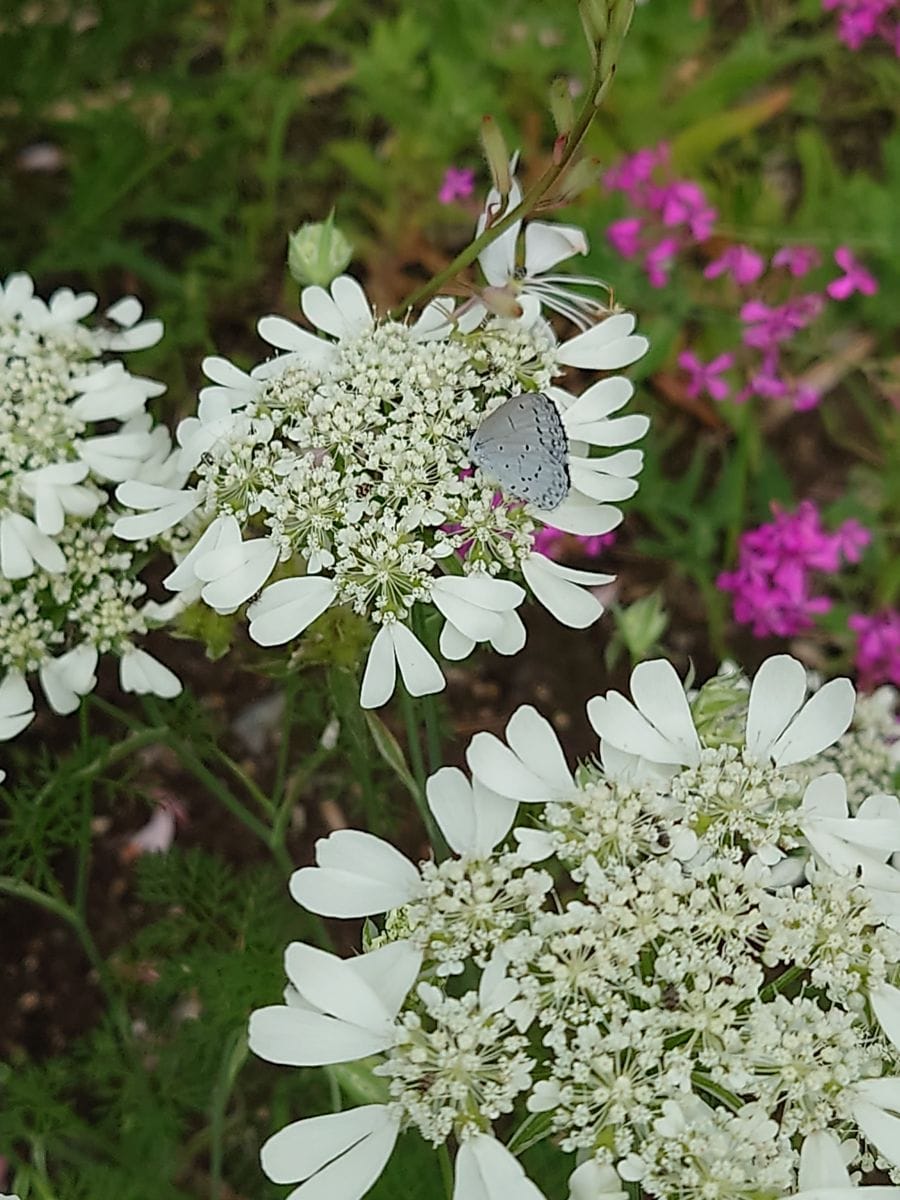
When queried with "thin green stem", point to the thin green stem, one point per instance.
{"points": [[527, 204], [232, 1060]]}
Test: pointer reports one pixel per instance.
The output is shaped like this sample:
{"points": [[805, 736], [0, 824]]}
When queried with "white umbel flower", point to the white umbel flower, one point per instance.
{"points": [[56, 383], [339, 474], [656, 1001]]}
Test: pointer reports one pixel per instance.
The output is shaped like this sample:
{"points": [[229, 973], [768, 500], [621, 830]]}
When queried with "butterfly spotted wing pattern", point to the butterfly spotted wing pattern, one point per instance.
{"points": [[523, 445]]}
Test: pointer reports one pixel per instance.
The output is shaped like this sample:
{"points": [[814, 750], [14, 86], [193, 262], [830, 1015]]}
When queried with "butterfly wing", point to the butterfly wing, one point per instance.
{"points": [[523, 445]]}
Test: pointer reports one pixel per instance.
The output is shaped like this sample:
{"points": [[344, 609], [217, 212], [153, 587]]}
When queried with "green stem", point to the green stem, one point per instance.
{"points": [[714, 1089], [526, 205], [772, 989], [446, 1170], [232, 1060], [417, 764]]}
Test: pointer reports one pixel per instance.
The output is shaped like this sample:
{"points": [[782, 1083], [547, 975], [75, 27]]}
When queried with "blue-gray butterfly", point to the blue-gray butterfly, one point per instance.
{"points": [[523, 445]]}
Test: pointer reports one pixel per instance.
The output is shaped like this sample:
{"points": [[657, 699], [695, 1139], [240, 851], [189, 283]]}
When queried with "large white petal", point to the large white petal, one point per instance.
{"points": [[591, 1181], [236, 573], [22, 545], [305, 1147], [500, 770], [140, 672], [380, 676], [390, 970], [299, 1037], [321, 979], [777, 692], [880, 1128], [455, 645], [287, 607], [606, 346], [449, 796], [885, 1000], [822, 720], [556, 587], [579, 515], [548, 244], [472, 620], [420, 673], [511, 637], [222, 532], [619, 724], [485, 1170], [347, 1173], [357, 874], [498, 259], [16, 706], [67, 678], [822, 1163], [285, 335], [352, 305], [596, 402], [534, 740], [659, 694], [435, 320]]}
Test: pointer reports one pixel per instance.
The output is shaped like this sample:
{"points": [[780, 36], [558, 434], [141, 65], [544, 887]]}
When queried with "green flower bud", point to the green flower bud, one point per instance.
{"points": [[318, 252], [641, 625], [720, 708]]}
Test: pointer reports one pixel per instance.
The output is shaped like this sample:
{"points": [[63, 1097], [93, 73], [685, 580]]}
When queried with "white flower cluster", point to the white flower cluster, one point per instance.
{"points": [[72, 422], [341, 472], [697, 992]]}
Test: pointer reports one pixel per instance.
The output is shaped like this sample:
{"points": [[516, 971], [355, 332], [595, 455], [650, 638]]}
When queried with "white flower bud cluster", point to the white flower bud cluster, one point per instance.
{"points": [[72, 422]]}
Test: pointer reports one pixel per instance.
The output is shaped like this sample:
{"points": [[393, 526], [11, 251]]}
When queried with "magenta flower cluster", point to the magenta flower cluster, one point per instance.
{"points": [[877, 647], [774, 310], [861, 21], [667, 217], [780, 569]]}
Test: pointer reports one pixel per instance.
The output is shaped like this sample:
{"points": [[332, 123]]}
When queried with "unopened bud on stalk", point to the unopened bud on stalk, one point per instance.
{"points": [[318, 252], [497, 155], [561, 106], [577, 179], [595, 18], [620, 14]]}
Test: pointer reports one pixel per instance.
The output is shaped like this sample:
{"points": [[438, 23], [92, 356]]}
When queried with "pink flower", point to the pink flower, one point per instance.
{"points": [[458, 183], [684, 203], [877, 647], [797, 260], [633, 171], [766, 327], [855, 278], [774, 581], [805, 398], [624, 236], [740, 262], [659, 260], [704, 377]]}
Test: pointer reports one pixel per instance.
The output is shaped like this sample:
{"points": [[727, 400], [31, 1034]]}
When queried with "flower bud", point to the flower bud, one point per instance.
{"points": [[720, 707], [641, 625], [561, 106], [497, 155], [318, 252]]}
